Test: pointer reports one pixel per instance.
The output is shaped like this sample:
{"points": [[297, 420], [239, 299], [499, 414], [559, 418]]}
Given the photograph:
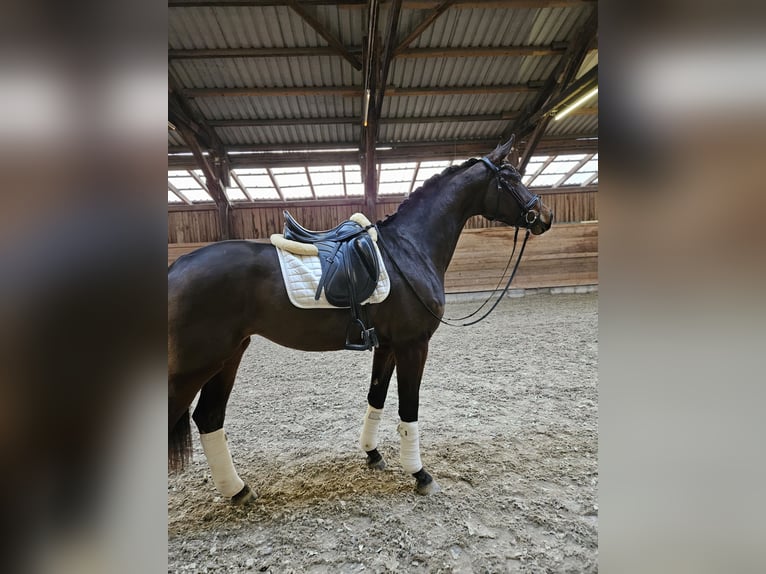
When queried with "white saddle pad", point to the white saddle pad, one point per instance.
{"points": [[301, 274]]}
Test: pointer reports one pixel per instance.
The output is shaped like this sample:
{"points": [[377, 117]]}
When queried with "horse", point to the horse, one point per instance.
{"points": [[222, 294]]}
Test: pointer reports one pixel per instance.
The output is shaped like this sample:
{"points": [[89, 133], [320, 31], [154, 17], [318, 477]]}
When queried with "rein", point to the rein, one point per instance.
{"points": [[529, 215], [382, 244]]}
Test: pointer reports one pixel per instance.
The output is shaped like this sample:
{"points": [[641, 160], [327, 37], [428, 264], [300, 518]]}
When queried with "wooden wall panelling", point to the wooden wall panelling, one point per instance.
{"points": [[567, 255]]}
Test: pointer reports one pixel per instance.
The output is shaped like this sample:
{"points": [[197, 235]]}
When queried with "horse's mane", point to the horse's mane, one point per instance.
{"points": [[431, 183]]}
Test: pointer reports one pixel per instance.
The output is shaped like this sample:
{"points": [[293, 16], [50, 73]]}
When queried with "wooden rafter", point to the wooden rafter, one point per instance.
{"points": [[389, 43], [180, 111], [536, 117], [574, 170], [241, 186], [207, 150], [315, 51], [179, 194], [356, 91], [311, 183], [590, 180], [582, 85], [275, 184], [368, 144], [199, 181], [266, 122], [414, 178], [429, 19], [260, 156], [328, 36]]}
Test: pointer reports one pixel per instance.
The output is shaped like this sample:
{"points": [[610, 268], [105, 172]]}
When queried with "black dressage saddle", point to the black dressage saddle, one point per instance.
{"points": [[350, 271]]}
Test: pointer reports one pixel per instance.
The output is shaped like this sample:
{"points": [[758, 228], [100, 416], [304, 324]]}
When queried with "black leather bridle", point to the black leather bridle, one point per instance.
{"points": [[529, 215]]}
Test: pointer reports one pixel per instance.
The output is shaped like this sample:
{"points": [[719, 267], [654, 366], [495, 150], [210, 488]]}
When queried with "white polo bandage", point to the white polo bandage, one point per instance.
{"points": [[409, 452], [369, 437], [216, 451]]}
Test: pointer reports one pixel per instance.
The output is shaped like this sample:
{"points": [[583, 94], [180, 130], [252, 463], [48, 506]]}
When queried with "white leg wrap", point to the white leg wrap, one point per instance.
{"points": [[216, 450], [409, 453], [369, 437]]}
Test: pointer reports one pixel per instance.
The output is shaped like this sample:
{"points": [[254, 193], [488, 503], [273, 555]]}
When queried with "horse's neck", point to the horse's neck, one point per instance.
{"points": [[433, 226]]}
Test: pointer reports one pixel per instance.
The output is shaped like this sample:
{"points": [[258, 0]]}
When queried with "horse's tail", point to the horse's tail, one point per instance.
{"points": [[179, 443]]}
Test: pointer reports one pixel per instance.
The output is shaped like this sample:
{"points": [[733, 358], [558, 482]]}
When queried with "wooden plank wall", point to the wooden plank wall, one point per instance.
{"points": [[195, 225], [567, 255]]}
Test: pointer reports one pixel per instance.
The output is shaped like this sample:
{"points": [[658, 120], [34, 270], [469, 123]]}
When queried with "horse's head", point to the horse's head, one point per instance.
{"points": [[508, 200]]}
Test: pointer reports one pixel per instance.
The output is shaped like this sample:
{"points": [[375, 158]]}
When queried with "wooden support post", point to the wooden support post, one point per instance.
{"points": [[370, 171], [212, 182]]}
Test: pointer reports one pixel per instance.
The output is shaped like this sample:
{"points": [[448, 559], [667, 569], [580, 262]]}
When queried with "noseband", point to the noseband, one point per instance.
{"points": [[528, 214]]}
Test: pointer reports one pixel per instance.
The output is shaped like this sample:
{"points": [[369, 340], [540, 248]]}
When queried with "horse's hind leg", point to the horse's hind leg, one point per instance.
{"points": [[383, 364], [209, 416], [410, 361]]}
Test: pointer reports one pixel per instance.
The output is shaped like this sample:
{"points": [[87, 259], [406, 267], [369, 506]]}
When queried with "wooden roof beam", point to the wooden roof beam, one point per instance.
{"points": [[181, 112], [247, 122], [241, 186], [179, 194], [388, 53], [275, 184], [313, 51], [574, 170], [328, 36], [291, 155], [558, 82], [201, 139], [368, 144], [356, 91], [429, 19]]}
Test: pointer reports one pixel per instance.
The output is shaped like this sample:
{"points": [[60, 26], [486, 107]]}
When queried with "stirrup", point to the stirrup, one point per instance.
{"points": [[369, 337]]}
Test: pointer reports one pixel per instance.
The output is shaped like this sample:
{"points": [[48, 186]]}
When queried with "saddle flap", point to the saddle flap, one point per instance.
{"points": [[350, 270], [365, 253]]}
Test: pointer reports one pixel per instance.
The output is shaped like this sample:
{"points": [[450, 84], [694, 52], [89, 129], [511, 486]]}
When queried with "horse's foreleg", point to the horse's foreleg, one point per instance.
{"points": [[410, 361], [209, 416], [383, 364]]}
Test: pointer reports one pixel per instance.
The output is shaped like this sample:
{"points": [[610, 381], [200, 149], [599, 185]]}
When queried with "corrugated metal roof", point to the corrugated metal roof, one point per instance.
{"points": [[279, 107], [470, 71], [265, 72], [304, 134], [441, 131], [574, 124], [468, 104], [174, 138], [237, 27]]}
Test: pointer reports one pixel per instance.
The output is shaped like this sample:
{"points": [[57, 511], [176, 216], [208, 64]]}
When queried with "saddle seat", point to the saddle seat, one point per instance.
{"points": [[296, 232], [350, 267]]}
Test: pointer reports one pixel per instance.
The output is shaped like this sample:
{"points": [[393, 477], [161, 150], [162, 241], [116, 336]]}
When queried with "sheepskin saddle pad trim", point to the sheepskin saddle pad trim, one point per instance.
{"points": [[302, 271]]}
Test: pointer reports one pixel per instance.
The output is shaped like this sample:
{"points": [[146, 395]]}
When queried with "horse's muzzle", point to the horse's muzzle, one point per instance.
{"points": [[543, 222]]}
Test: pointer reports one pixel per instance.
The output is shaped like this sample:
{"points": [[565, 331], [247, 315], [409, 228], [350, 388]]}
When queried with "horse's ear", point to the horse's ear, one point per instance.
{"points": [[501, 151]]}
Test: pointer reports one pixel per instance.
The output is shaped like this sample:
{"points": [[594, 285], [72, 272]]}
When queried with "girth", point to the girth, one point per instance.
{"points": [[350, 271]]}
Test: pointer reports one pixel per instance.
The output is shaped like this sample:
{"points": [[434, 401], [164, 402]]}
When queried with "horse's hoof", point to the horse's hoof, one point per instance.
{"points": [[379, 464], [375, 460], [430, 488], [425, 483], [244, 496]]}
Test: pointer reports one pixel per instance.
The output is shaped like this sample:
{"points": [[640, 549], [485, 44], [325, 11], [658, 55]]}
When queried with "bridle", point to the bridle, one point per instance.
{"points": [[528, 215]]}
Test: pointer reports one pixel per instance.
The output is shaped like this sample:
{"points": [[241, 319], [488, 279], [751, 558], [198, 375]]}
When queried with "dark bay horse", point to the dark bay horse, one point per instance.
{"points": [[222, 294]]}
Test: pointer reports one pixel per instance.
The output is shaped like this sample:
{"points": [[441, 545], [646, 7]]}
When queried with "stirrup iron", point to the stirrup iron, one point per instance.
{"points": [[369, 337]]}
